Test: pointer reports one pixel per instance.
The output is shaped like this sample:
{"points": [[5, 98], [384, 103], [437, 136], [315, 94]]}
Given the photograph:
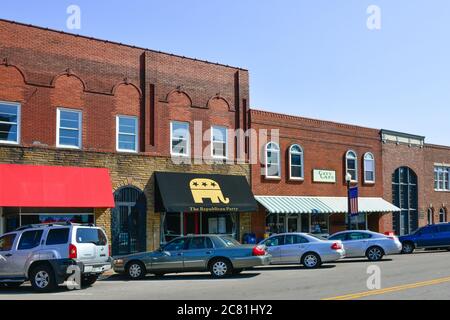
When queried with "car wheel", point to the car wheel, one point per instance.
{"points": [[43, 279], [88, 281], [311, 260], [374, 254], [136, 270], [220, 268], [407, 247]]}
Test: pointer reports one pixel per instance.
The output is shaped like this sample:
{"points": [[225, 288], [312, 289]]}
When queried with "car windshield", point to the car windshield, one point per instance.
{"points": [[91, 235], [230, 242]]}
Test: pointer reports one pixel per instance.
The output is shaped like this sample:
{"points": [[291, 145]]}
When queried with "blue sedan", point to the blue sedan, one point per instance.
{"points": [[435, 236]]}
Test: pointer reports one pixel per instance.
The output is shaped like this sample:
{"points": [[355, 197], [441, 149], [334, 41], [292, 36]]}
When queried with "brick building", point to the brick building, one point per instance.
{"points": [[79, 106], [73, 101], [416, 180], [307, 190]]}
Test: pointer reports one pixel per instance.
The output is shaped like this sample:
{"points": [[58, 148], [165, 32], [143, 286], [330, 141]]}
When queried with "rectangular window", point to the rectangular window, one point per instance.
{"points": [[179, 138], [9, 123], [127, 134], [57, 236], [30, 240], [219, 139], [442, 178], [69, 129]]}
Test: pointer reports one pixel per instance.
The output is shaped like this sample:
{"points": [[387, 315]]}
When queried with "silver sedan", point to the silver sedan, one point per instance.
{"points": [[220, 255], [368, 244], [306, 249]]}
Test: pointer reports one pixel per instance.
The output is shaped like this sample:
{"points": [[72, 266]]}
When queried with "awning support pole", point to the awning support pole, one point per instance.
{"points": [[20, 216]]}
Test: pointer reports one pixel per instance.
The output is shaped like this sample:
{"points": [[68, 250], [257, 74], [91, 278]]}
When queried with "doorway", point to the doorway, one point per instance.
{"points": [[129, 221]]}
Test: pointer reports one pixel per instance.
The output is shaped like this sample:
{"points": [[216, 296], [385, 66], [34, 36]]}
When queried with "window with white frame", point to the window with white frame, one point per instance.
{"points": [[442, 215], [351, 162], [273, 160], [441, 178], [69, 128], [127, 134], [296, 162], [179, 138], [369, 168], [9, 123], [219, 145]]}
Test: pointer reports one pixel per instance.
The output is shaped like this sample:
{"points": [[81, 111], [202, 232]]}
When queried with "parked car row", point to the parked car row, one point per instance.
{"points": [[45, 255]]}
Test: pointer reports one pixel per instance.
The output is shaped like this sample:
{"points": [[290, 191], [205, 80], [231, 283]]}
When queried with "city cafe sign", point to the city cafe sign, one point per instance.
{"points": [[324, 176]]}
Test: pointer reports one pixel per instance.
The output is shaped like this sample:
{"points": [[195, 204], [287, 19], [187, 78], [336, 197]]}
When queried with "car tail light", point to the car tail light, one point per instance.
{"points": [[73, 254], [259, 251], [109, 250], [336, 246]]}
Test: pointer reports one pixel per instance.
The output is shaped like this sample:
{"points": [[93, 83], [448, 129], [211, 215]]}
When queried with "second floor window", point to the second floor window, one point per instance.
{"points": [[441, 179], [296, 162], [369, 168], [127, 134], [351, 162], [179, 138], [69, 129], [273, 160], [219, 142], [9, 122]]}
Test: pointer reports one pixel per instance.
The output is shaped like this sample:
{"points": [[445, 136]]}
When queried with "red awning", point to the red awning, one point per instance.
{"points": [[54, 187]]}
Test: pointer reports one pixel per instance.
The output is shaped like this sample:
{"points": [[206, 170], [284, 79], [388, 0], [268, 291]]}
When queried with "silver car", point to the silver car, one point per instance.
{"points": [[306, 249], [368, 244], [218, 254], [45, 254]]}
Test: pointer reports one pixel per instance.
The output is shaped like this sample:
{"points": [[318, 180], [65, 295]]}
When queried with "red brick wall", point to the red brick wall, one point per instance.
{"points": [[325, 145], [44, 69], [435, 199], [403, 155]]}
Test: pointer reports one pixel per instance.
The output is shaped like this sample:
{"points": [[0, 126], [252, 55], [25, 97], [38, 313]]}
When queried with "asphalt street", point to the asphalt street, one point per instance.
{"points": [[423, 275]]}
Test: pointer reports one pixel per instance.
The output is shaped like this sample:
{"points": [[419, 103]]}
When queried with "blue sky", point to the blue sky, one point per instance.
{"points": [[314, 58]]}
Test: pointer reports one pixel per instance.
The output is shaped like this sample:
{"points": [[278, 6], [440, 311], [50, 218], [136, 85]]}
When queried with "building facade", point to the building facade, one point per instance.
{"points": [[307, 188], [416, 180], [73, 101], [119, 125]]}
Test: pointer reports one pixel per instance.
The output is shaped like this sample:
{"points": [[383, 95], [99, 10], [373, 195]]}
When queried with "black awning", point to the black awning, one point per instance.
{"points": [[186, 192]]}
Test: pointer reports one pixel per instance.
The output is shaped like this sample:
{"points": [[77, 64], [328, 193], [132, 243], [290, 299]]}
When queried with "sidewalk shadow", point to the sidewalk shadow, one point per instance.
{"points": [[179, 277], [292, 267], [27, 289], [361, 260]]}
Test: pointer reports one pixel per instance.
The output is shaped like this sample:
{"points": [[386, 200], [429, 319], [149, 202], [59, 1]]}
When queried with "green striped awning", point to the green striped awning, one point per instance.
{"points": [[294, 204]]}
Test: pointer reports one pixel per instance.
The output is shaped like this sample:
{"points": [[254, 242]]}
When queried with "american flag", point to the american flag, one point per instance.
{"points": [[353, 195]]}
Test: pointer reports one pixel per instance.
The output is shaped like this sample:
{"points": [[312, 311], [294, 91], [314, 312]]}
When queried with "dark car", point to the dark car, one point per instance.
{"points": [[436, 236], [218, 254]]}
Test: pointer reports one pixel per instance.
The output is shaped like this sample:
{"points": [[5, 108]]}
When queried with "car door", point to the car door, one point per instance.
{"points": [[355, 244], [442, 237], [273, 245], [6, 254], [293, 249], [426, 237], [29, 242], [170, 257], [198, 252]]}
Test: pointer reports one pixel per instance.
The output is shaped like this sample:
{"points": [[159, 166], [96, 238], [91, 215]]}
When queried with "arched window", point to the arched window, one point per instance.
{"points": [[369, 168], [296, 162], [273, 160], [430, 216], [442, 215], [351, 164]]}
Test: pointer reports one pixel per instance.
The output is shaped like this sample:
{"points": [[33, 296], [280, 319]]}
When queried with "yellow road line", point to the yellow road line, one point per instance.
{"points": [[391, 289]]}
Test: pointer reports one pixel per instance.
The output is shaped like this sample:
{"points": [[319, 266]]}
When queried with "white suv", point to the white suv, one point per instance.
{"points": [[46, 255]]}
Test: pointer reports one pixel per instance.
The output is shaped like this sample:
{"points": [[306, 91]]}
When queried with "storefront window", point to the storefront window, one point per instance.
{"points": [[319, 223], [15, 221], [179, 224], [361, 220]]}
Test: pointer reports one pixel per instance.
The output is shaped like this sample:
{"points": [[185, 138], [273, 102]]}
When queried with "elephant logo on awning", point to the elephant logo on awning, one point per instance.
{"points": [[207, 189]]}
